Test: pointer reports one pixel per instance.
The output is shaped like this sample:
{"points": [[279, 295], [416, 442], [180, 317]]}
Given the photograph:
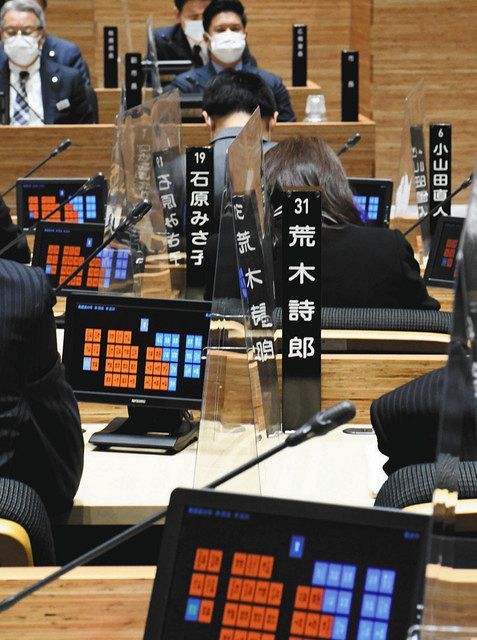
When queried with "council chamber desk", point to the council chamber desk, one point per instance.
{"points": [[23, 147]]}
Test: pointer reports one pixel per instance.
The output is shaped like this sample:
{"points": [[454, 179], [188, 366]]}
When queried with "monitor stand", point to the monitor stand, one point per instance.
{"points": [[170, 430]]}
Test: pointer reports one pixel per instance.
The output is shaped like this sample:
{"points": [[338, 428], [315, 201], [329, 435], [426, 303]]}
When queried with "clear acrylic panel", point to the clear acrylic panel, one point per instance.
{"points": [[152, 70], [241, 404]]}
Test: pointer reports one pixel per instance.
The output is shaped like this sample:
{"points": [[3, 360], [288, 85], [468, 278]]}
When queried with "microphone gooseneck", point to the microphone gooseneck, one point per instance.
{"points": [[319, 424]]}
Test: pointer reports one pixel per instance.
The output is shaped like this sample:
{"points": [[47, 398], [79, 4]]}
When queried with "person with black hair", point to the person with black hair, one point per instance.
{"points": [[184, 40], [224, 23], [8, 232]]}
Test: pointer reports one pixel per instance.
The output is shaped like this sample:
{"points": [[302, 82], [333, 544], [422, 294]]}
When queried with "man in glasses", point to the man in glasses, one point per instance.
{"points": [[33, 88]]}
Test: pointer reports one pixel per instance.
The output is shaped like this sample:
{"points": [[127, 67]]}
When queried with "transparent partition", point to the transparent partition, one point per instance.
{"points": [[454, 551], [241, 405], [413, 175], [151, 72]]}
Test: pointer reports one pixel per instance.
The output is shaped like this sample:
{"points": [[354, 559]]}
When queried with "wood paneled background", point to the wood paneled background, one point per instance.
{"points": [[400, 41]]}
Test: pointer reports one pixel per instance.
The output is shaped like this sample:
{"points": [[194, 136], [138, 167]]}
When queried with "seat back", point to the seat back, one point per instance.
{"points": [[15, 546]]}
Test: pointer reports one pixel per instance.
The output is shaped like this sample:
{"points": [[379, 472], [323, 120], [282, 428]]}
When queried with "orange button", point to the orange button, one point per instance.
{"points": [[156, 384], [298, 622], [253, 635], [97, 335], [312, 625], [165, 369], [210, 586], [248, 590], [196, 584], [149, 368], [88, 335], [243, 615], [157, 353], [96, 348], [107, 380], [157, 368], [234, 589], [302, 597], [134, 352], [149, 353], [270, 621], [201, 559], [133, 366], [267, 636], [148, 382], [326, 626], [238, 564], [164, 384], [266, 567], [226, 634], [126, 351], [252, 566], [117, 366], [94, 364], [316, 598], [110, 351], [215, 560], [257, 618], [230, 614], [118, 351], [127, 336], [124, 380], [275, 594], [261, 592], [119, 336], [88, 348], [132, 382], [240, 634], [206, 611], [116, 380], [124, 366]]}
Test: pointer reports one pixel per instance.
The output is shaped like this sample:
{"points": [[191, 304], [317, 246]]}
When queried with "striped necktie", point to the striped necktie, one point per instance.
{"points": [[21, 110]]}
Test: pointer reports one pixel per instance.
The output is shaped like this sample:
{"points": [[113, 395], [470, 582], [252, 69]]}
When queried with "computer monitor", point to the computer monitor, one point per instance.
{"points": [[60, 247], [234, 566], [148, 354], [440, 267], [37, 197], [372, 198]]}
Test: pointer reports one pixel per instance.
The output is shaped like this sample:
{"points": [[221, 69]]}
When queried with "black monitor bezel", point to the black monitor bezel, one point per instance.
{"points": [[384, 212], [39, 235], [181, 499], [436, 240], [201, 306], [100, 181]]}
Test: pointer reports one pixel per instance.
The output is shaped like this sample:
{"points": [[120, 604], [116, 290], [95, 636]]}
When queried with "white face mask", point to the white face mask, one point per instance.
{"points": [[194, 29], [228, 46], [22, 50]]}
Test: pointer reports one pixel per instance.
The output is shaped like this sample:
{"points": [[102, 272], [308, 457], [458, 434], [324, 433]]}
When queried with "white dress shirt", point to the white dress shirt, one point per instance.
{"points": [[204, 51], [33, 90]]}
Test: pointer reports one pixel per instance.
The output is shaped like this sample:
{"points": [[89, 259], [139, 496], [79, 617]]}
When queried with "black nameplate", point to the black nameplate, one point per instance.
{"points": [[133, 80], [199, 210], [420, 179], [440, 169], [300, 55], [301, 306], [110, 57], [349, 86]]}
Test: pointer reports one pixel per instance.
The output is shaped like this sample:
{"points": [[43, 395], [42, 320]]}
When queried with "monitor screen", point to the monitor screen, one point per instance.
{"points": [[60, 247], [372, 198], [442, 257], [136, 351], [234, 566], [37, 197]]}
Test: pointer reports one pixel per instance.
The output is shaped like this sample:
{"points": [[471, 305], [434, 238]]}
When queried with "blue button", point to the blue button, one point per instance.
{"points": [[144, 323], [340, 628], [190, 342], [383, 608], [172, 384], [176, 340], [334, 575], [297, 545], [330, 600], [192, 610], [174, 355], [196, 371], [189, 356], [373, 577], [167, 339], [166, 355], [380, 631], [344, 602], [159, 339], [368, 606], [173, 370], [48, 268], [388, 578], [89, 242], [365, 630], [348, 575], [320, 571], [188, 371], [197, 357], [87, 364], [198, 342]]}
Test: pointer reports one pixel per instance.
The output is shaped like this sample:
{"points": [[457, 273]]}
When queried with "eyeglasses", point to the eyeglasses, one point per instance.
{"points": [[10, 32]]}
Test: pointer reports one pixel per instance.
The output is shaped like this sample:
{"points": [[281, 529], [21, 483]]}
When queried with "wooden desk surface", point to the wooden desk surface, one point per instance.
{"points": [[111, 603], [90, 152]]}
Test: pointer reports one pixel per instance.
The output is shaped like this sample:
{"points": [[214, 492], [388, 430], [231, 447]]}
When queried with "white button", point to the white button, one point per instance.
{"points": [[54, 79], [51, 53]]}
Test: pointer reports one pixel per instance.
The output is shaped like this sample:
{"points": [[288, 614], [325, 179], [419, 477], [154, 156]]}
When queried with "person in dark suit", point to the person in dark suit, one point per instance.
{"points": [[225, 35], [184, 40], [41, 442], [36, 89], [361, 266], [8, 232]]}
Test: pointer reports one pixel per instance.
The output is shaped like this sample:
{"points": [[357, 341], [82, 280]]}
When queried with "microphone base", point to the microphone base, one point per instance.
{"points": [[157, 429]]}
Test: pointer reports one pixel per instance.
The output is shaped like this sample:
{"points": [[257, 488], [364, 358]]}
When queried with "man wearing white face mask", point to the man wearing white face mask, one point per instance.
{"points": [[36, 90], [224, 24], [185, 39]]}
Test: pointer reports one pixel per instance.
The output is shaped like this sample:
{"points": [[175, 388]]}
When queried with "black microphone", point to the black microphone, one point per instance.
{"points": [[59, 149], [131, 219], [467, 182], [350, 143], [320, 424], [3, 108], [86, 186], [26, 102]]}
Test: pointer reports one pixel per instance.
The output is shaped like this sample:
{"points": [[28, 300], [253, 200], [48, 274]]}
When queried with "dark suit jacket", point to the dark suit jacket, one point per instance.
{"points": [[172, 44], [66, 53], [196, 80], [40, 431], [58, 83], [8, 231]]}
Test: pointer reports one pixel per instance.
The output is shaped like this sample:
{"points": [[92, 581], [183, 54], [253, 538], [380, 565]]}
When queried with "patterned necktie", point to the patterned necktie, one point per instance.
{"points": [[21, 110]]}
